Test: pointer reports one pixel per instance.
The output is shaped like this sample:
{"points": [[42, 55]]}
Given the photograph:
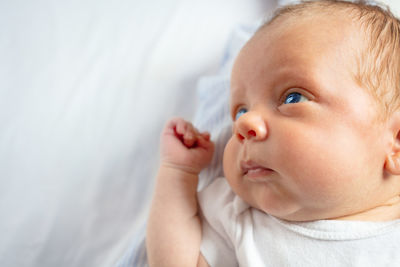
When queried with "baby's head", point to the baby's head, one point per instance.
{"points": [[315, 100]]}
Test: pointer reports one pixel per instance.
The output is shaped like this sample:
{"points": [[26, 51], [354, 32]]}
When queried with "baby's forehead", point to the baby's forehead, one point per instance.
{"points": [[333, 20], [313, 35], [316, 35]]}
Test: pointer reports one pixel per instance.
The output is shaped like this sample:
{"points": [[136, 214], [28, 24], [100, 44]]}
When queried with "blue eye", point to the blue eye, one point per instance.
{"points": [[240, 112], [295, 97]]}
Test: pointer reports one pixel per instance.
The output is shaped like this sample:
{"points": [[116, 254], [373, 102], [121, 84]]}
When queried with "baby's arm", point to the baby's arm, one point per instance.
{"points": [[174, 227]]}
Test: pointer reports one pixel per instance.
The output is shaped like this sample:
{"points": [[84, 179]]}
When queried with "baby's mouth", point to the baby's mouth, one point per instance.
{"points": [[253, 170]]}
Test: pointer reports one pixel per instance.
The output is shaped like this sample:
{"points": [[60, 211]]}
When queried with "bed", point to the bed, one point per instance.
{"points": [[85, 89]]}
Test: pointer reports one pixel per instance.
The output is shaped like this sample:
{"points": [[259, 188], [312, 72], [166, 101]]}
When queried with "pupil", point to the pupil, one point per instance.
{"points": [[293, 98]]}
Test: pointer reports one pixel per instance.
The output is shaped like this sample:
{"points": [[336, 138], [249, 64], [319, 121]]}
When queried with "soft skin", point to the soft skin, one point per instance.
{"points": [[326, 157]]}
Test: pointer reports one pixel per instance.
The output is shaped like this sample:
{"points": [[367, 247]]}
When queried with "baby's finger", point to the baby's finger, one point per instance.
{"points": [[183, 126], [189, 139], [180, 127], [206, 135], [186, 133], [170, 126], [205, 142]]}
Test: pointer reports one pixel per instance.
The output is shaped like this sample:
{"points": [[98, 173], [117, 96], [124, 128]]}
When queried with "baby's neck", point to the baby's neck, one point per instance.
{"points": [[388, 211]]}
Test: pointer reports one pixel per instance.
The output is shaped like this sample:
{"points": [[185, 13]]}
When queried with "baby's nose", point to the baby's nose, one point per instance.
{"points": [[251, 126]]}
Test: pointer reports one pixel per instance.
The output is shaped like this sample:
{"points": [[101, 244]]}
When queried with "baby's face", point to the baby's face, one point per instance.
{"points": [[306, 143]]}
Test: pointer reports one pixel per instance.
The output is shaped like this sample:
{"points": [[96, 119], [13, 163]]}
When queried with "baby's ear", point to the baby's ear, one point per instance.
{"points": [[392, 163]]}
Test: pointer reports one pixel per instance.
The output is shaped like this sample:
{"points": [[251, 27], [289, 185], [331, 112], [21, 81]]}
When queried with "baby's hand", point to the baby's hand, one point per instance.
{"points": [[184, 147]]}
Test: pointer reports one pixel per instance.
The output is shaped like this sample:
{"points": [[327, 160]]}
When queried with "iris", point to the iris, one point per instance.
{"points": [[295, 97]]}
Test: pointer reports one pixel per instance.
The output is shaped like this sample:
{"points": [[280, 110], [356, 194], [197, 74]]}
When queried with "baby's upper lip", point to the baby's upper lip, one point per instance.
{"points": [[250, 165]]}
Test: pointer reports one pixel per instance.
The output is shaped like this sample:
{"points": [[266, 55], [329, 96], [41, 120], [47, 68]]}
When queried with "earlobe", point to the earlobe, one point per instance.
{"points": [[392, 162]]}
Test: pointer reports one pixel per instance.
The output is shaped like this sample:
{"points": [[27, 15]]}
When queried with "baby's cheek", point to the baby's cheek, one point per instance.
{"points": [[230, 159], [318, 176]]}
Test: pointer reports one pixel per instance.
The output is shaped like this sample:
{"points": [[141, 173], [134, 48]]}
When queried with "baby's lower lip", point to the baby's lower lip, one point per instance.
{"points": [[257, 174]]}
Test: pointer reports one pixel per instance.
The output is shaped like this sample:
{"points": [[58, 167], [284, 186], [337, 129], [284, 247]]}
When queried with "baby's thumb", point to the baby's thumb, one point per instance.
{"points": [[205, 142]]}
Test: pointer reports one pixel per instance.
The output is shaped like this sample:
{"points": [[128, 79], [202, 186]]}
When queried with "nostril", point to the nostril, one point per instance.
{"points": [[240, 137], [251, 133]]}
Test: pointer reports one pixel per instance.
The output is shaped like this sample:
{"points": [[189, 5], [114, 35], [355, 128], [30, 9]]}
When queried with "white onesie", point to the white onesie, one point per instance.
{"points": [[235, 234]]}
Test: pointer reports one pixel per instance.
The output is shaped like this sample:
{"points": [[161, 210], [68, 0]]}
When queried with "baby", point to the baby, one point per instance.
{"points": [[313, 165]]}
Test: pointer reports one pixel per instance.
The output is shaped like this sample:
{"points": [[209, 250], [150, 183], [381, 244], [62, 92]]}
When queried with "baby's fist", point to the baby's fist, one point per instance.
{"points": [[184, 147]]}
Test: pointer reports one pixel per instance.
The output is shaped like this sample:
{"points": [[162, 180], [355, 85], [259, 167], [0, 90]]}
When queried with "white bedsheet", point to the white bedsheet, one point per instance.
{"points": [[85, 88]]}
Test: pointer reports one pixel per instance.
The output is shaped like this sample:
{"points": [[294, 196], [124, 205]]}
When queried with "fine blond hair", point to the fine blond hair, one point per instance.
{"points": [[378, 63]]}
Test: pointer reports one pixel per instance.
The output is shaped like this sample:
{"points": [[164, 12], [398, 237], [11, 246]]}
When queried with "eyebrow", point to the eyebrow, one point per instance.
{"points": [[305, 78]]}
